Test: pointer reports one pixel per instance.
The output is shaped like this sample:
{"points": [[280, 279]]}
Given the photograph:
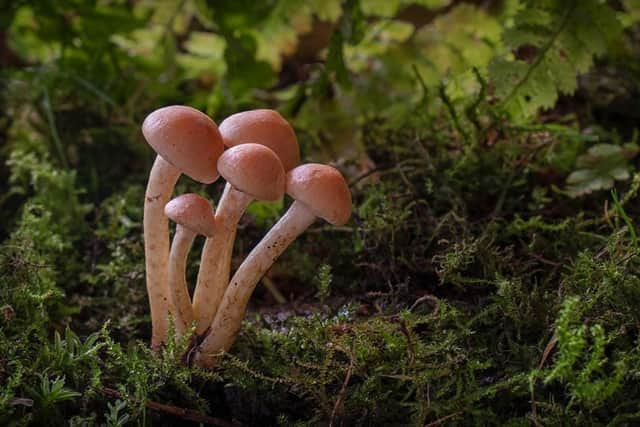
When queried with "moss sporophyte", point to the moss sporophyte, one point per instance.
{"points": [[260, 163]]}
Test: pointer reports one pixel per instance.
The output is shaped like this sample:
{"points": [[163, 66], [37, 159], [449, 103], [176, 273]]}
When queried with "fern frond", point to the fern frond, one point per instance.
{"points": [[278, 35], [555, 41]]}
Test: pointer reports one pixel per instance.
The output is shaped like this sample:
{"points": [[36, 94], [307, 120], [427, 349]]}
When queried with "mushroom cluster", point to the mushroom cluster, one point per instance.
{"points": [[261, 162]]}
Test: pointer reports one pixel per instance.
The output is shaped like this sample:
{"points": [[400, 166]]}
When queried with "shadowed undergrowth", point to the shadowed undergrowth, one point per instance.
{"points": [[489, 275]]}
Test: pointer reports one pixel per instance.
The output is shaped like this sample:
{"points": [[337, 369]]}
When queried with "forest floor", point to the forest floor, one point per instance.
{"points": [[489, 275]]}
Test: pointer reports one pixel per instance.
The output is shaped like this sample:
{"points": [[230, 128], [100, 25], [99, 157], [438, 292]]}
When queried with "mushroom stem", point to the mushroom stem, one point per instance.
{"points": [[180, 247], [162, 179], [215, 262], [228, 319]]}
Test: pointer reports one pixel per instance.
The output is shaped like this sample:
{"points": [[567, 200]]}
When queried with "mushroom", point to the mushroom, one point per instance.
{"points": [[252, 171], [318, 191], [193, 215], [264, 127], [187, 141]]}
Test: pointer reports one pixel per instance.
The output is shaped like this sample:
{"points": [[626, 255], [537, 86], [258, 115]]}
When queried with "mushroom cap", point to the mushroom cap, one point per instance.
{"points": [[186, 138], [192, 212], [253, 169], [265, 127], [323, 190]]}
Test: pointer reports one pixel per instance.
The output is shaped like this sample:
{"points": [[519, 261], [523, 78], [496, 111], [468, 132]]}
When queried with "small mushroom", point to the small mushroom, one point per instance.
{"points": [[187, 141], [264, 127], [193, 216], [319, 191], [252, 171]]}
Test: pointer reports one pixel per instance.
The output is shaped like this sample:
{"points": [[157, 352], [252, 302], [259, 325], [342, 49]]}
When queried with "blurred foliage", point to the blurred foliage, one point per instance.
{"points": [[489, 275]]}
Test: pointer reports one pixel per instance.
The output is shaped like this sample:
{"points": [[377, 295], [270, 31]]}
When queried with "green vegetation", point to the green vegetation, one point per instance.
{"points": [[490, 274]]}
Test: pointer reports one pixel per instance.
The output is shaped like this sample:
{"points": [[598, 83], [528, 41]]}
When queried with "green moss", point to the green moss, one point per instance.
{"points": [[475, 285]]}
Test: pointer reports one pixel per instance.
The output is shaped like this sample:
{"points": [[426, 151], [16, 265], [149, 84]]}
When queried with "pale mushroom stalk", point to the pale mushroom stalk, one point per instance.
{"points": [[193, 215], [180, 247], [215, 262], [162, 179], [228, 320], [318, 191], [252, 171], [264, 127]]}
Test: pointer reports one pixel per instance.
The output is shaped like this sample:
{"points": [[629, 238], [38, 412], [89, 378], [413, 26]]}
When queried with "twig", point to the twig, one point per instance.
{"points": [[543, 260], [21, 401], [343, 391], [432, 299], [398, 168], [548, 349], [362, 176], [184, 413], [545, 355], [443, 419]]}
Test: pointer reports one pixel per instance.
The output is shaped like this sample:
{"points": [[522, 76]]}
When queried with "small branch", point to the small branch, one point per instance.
{"points": [[21, 401], [432, 299], [543, 260], [363, 175], [439, 421], [398, 168], [343, 391], [548, 349], [184, 413], [545, 355]]}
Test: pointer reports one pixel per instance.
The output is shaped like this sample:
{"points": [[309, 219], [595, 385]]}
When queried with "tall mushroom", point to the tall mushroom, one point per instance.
{"points": [[319, 191], [187, 141], [252, 171], [264, 127], [193, 216]]}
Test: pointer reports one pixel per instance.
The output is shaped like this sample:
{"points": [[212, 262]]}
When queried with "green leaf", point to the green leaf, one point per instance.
{"points": [[205, 55], [389, 8], [433, 4], [278, 36], [464, 38], [550, 43], [599, 168], [382, 8]]}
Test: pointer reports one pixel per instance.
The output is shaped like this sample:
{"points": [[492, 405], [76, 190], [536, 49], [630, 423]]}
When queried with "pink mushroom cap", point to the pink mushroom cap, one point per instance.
{"points": [[253, 169], [265, 127], [323, 190], [192, 212], [186, 138]]}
